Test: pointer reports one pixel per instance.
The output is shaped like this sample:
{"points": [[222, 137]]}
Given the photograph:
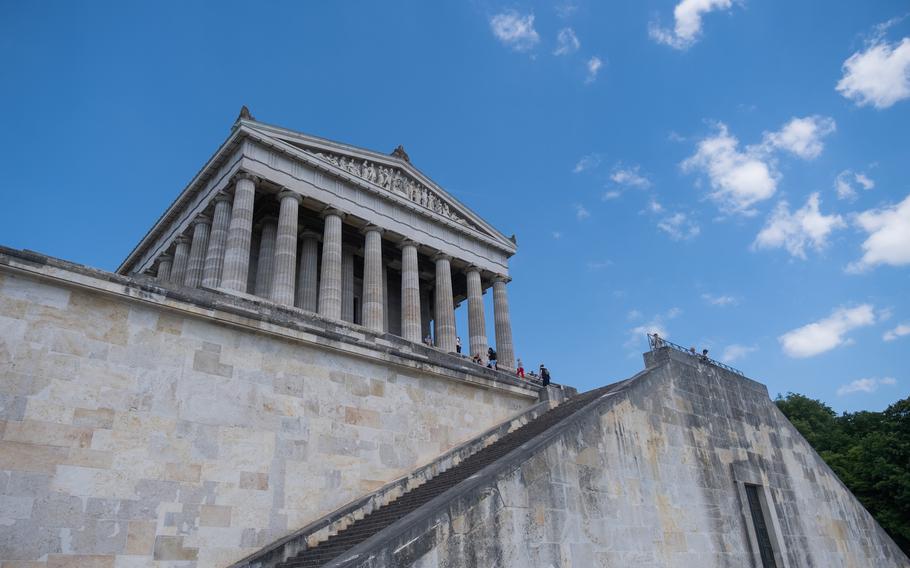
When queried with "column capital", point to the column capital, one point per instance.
{"points": [[287, 193], [310, 234], [441, 256], [165, 256], [472, 268], [246, 176], [268, 219], [502, 278], [408, 243], [202, 219], [222, 196], [181, 239], [372, 229], [332, 211]]}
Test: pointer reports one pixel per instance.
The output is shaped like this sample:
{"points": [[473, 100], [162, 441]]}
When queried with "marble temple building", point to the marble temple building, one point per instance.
{"points": [[335, 230], [252, 389]]}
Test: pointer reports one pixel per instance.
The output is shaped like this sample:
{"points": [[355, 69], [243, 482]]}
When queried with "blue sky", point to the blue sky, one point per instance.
{"points": [[733, 173]]}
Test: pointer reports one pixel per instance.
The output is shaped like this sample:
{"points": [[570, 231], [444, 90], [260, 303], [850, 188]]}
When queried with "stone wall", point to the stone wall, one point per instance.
{"points": [[141, 429], [650, 475]]}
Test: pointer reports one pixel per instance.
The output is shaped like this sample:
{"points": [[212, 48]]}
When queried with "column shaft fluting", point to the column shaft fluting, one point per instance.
{"points": [[347, 284], [373, 298], [201, 229], [165, 262], [265, 267], [410, 293], [181, 260], [445, 308], [214, 255], [307, 274], [505, 351], [330, 279], [286, 249], [237, 254], [477, 327]]}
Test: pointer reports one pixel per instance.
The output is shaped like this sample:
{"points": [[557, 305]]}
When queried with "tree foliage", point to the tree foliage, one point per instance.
{"points": [[869, 451]]}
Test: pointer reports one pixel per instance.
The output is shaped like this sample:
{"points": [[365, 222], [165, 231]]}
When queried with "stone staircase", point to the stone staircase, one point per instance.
{"points": [[384, 516]]}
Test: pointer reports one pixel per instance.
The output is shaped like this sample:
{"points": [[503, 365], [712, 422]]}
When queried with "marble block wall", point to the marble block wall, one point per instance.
{"points": [[652, 475], [136, 435]]}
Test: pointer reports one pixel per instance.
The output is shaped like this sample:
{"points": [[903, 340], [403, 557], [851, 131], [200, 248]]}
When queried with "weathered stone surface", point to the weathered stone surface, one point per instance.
{"points": [[143, 430], [651, 474]]}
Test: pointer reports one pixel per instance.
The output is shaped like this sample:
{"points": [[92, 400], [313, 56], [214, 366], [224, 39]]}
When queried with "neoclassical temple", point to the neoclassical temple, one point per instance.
{"points": [[339, 232]]}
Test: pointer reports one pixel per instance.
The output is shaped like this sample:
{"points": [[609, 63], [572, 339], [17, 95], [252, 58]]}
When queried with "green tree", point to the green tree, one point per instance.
{"points": [[869, 451]]}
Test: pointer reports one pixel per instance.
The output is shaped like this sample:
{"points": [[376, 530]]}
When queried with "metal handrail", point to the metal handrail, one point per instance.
{"points": [[656, 342]]}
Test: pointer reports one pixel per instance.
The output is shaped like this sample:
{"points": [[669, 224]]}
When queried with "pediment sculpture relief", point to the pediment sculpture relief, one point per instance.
{"points": [[396, 181]]}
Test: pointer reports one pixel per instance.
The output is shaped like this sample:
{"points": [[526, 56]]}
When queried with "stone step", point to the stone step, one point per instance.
{"points": [[379, 519]]}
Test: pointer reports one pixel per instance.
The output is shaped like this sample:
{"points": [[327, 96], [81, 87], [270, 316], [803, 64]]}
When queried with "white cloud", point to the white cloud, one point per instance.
{"points": [[581, 213], [802, 136], [679, 227], [637, 333], [515, 30], [629, 176], [654, 206], [557, 235], [611, 194], [805, 227], [734, 352], [899, 331], [843, 183], [738, 179], [720, 301], [889, 236], [594, 64], [566, 42], [865, 385], [674, 312], [826, 334], [633, 315], [566, 9], [687, 29], [878, 76], [587, 162]]}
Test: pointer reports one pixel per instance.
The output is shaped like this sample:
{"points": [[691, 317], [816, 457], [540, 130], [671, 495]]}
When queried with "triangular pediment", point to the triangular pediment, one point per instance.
{"points": [[390, 173]]}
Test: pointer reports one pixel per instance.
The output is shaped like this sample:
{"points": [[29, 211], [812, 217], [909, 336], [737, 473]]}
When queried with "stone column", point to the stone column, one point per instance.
{"points": [[202, 226], [214, 255], [165, 261], [385, 296], [308, 275], [330, 279], [445, 308], [237, 254], [477, 328], [181, 259], [373, 299], [265, 267], [505, 351], [347, 284], [410, 293], [426, 311], [286, 249]]}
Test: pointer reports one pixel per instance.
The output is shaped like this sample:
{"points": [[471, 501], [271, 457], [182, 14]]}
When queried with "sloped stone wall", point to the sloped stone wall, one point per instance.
{"points": [[146, 433], [650, 477]]}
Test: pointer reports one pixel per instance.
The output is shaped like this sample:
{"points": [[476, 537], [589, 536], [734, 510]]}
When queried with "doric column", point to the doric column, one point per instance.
{"points": [[165, 261], [385, 296], [286, 249], [445, 308], [237, 254], [426, 311], [265, 267], [181, 259], [477, 328], [347, 284], [307, 274], [410, 293], [214, 255], [202, 225], [330, 279], [373, 289], [505, 351]]}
